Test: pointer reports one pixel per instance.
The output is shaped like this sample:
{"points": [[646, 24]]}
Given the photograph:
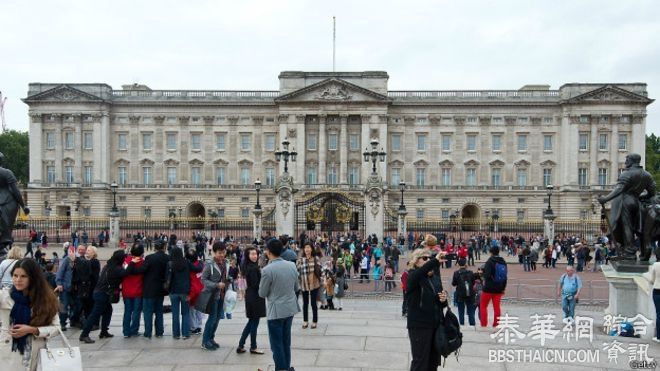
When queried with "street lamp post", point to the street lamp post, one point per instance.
{"points": [[549, 217], [549, 188], [114, 187], [286, 155], [402, 187], [257, 187], [374, 155], [402, 228]]}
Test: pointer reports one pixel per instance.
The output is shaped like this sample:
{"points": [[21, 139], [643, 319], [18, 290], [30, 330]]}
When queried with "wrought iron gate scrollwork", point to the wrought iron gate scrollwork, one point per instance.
{"points": [[330, 212]]}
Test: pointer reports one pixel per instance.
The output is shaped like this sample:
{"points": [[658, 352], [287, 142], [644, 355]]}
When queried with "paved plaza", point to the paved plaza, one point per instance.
{"points": [[366, 335]]}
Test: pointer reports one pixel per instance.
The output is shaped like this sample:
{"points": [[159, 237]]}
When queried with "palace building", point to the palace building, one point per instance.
{"points": [[199, 152]]}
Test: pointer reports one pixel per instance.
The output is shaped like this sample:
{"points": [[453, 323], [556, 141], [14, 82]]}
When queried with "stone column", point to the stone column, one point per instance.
{"points": [[323, 151], [614, 150], [114, 230], [36, 141], [375, 208], [638, 140], [59, 149], [343, 150], [78, 175], [96, 136], [105, 148], [549, 226], [257, 224], [365, 141], [402, 224], [285, 206], [301, 148], [593, 152]]}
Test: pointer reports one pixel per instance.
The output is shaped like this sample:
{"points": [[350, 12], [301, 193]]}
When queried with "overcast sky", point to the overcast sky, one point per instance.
{"points": [[439, 45]]}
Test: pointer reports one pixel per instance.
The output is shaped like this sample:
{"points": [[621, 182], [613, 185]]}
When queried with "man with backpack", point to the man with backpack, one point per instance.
{"points": [[495, 278], [463, 281], [569, 288]]}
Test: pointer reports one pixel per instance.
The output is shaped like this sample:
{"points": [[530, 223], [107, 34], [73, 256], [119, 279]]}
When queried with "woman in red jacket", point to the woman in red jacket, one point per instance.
{"points": [[132, 293], [196, 286]]}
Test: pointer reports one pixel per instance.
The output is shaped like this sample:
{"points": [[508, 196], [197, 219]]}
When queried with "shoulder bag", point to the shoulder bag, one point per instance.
{"points": [[60, 359]]}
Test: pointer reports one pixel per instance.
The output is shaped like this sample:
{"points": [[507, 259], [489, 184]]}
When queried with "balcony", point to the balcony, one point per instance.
{"points": [[475, 95], [194, 95]]}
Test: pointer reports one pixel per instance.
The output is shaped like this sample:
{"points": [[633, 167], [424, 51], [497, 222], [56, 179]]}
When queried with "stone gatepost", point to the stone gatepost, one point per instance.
{"points": [[284, 207], [257, 223], [114, 230], [375, 208], [402, 223], [549, 226]]}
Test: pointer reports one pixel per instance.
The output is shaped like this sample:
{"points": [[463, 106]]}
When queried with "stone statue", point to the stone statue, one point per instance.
{"points": [[633, 189], [651, 230], [10, 200]]}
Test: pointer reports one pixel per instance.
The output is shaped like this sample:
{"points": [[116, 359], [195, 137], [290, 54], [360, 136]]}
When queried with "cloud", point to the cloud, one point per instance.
{"points": [[245, 44]]}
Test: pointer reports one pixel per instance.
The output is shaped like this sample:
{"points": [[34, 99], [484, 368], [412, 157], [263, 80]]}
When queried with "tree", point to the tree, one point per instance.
{"points": [[15, 145], [653, 156]]}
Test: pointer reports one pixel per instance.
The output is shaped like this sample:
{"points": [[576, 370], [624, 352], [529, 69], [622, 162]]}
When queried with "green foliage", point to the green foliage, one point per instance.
{"points": [[653, 156], [16, 148]]}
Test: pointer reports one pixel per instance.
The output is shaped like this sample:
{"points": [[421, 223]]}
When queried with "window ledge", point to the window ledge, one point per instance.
{"points": [[472, 151], [219, 150], [547, 151], [171, 150], [195, 150], [147, 150], [522, 151], [622, 150], [497, 151]]}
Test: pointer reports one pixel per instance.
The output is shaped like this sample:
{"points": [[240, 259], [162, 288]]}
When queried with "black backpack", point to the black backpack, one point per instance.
{"points": [[465, 286], [448, 337]]}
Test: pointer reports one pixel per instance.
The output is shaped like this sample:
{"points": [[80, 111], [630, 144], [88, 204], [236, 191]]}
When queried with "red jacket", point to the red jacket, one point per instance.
{"points": [[132, 283], [196, 284], [404, 281], [462, 252]]}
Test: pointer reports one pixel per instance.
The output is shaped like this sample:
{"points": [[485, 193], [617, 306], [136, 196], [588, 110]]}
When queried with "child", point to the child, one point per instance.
{"points": [[378, 276], [330, 290], [242, 285], [404, 287], [389, 277], [50, 275]]}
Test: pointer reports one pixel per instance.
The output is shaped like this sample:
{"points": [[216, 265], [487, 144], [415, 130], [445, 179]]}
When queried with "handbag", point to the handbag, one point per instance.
{"points": [[230, 301], [60, 359], [204, 301]]}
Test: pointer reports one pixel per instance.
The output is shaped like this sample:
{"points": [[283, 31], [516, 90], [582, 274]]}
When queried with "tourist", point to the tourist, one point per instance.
{"points": [[463, 281], [329, 283], [132, 287], [495, 279], [309, 273], [216, 280], [69, 303], [340, 276], [653, 275], [179, 289], [569, 289], [105, 292], [378, 276], [279, 283], [154, 269], [389, 277], [31, 307], [13, 256], [426, 300], [255, 306], [94, 270], [196, 286]]}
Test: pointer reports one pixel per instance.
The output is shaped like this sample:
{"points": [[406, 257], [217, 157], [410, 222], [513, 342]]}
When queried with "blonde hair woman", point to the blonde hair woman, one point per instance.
{"points": [[15, 254]]}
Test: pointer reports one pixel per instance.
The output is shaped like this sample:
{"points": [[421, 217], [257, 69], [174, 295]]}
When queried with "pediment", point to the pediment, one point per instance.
{"points": [[421, 163], [221, 162], [496, 163], [548, 163], [471, 163], [196, 162], [63, 94], [147, 161], [609, 94], [122, 161], [522, 163], [396, 163], [333, 90], [446, 163]]}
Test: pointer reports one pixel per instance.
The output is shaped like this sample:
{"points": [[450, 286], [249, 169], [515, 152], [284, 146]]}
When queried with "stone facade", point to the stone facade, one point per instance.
{"points": [[463, 152]]}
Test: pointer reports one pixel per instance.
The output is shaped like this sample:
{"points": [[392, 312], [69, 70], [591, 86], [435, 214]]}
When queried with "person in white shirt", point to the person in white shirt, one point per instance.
{"points": [[653, 275]]}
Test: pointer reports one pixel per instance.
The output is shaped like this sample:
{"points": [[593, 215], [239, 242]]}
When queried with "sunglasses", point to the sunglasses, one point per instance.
{"points": [[425, 258]]}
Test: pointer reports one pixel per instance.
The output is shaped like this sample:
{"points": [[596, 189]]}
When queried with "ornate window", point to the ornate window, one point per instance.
{"points": [[496, 142], [147, 141]]}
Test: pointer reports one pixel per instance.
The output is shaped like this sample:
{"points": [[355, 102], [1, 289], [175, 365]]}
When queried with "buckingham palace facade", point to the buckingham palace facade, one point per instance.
{"points": [[199, 152]]}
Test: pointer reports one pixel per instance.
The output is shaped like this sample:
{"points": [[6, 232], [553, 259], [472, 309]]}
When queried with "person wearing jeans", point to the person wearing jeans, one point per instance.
{"points": [[569, 288], [278, 285], [309, 274], [493, 287], [463, 281], [653, 275], [255, 306], [214, 278], [132, 295], [154, 270], [179, 287]]}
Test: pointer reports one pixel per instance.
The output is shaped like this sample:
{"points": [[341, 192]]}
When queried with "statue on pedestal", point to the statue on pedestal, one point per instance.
{"points": [[10, 201], [633, 192]]}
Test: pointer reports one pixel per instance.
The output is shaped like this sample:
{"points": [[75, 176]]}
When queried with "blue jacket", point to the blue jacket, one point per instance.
{"points": [[64, 274]]}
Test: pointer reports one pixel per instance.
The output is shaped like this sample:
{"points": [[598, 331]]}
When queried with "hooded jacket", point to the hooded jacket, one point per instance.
{"points": [[490, 286]]}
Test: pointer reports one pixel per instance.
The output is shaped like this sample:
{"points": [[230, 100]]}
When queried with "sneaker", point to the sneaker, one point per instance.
{"points": [[208, 347], [656, 340], [214, 344], [176, 337], [185, 337]]}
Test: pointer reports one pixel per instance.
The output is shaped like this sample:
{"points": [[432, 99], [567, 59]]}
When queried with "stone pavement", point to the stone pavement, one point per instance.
{"points": [[366, 335]]}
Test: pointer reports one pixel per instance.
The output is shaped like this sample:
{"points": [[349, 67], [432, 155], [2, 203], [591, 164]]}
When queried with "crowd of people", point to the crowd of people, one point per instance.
{"points": [[204, 277]]}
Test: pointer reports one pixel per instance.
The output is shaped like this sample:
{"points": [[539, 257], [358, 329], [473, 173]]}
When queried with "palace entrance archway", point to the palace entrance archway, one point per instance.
{"points": [[330, 212]]}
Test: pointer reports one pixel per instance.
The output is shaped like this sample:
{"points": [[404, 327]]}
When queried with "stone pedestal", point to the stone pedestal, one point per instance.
{"points": [[284, 206], [630, 295], [257, 223], [549, 226], [375, 208], [114, 230], [402, 225]]}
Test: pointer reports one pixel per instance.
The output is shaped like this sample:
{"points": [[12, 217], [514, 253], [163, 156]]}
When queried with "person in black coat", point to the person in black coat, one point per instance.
{"points": [[255, 306], [109, 281], [426, 300], [154, 269], [180, 269]]}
